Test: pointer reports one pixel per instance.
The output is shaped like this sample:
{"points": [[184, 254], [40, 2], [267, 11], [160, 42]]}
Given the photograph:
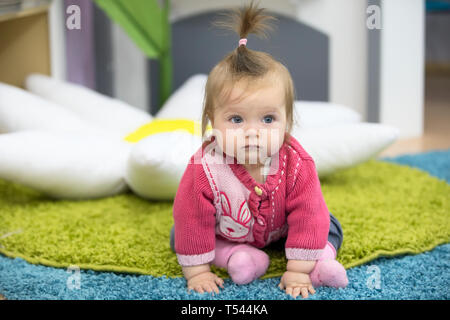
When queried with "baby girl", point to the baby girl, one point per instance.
{"points": [[251, 183]]}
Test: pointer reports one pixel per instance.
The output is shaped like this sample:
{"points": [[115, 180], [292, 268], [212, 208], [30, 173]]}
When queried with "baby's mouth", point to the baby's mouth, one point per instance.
{"points": [[251, 147]]}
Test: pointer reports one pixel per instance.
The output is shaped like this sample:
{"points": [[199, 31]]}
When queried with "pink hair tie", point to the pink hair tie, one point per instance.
{"points": [[243, 41]]}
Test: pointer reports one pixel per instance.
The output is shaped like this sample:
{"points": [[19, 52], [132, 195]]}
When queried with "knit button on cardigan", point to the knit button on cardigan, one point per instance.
{"points": [[217, 197]]}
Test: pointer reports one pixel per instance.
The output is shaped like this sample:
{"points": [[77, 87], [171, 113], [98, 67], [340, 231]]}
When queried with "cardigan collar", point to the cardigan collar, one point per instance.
{"points": [[271, 180]]}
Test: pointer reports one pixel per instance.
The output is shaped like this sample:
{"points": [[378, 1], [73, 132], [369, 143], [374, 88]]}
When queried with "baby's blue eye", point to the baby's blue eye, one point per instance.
{"points": [[236, 119], [268, 119]]}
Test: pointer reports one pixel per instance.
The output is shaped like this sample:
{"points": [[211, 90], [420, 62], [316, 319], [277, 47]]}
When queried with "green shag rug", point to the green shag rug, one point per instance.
{"points": [[385, 209]]}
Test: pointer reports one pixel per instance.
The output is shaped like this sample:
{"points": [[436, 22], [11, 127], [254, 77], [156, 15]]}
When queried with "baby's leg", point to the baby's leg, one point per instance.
{"points": [[335, 235], [328, 271], [243, 262]]}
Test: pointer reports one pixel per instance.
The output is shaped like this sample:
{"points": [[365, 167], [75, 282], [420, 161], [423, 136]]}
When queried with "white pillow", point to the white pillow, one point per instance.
{"points": [[21, 110], [316, 114], [187, 102], [71, 159], [64, 165], [102, 111], [346, 145], [157, 163]]}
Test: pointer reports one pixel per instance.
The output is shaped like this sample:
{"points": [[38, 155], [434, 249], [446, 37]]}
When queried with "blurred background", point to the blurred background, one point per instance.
{"points": [[391, 65]]}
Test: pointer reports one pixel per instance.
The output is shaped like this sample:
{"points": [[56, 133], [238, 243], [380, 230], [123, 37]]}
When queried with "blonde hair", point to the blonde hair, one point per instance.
{"points": [[243, 64]]}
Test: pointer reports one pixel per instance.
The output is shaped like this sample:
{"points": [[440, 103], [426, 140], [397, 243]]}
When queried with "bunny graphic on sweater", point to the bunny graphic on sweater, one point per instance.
{"points": [[234, 224]]}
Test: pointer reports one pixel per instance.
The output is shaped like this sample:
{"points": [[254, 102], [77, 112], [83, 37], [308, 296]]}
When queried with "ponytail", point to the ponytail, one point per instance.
{"points": [[244, 21]]}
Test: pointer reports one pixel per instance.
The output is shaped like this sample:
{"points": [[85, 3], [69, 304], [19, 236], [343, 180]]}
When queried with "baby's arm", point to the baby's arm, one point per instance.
{"points": [[200, 278], [301, 266], [194, 232], [308, 222], [296, 279]]}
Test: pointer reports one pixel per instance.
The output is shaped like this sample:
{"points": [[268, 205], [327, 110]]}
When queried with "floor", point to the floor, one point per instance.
{"points": [[436, 120]]}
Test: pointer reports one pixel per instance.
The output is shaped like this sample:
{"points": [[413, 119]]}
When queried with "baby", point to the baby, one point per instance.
{"points": [[251, 183]]}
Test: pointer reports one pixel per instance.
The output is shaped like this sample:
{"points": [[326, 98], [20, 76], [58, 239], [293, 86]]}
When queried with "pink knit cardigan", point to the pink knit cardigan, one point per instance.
{"points": [[220, 198]]}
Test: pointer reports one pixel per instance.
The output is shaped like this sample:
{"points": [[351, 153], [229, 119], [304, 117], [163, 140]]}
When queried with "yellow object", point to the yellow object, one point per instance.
{"points": [[258, 191], [166, 125]]}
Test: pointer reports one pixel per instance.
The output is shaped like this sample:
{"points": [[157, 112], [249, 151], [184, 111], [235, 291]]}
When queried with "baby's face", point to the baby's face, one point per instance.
{"points": [[251, 128]]}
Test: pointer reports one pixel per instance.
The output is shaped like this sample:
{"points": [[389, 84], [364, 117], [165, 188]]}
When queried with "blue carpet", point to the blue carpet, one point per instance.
{"points": [[436, 163], [423, 276]]}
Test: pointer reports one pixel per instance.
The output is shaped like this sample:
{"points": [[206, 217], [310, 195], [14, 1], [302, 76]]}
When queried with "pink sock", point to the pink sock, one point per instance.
{"points": [[328, 271], [243, 262]]}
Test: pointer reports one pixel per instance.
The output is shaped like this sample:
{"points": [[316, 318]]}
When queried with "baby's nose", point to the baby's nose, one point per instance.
{"points": [[251, 132]]}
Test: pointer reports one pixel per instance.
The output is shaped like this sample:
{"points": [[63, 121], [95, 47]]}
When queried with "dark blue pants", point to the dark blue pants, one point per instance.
{"points": [[335, 235]]}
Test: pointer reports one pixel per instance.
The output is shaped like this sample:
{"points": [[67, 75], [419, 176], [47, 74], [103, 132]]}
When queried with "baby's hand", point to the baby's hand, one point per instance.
{"points": [[205, 281], [296, 283]]}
